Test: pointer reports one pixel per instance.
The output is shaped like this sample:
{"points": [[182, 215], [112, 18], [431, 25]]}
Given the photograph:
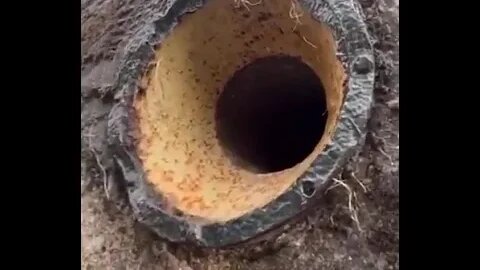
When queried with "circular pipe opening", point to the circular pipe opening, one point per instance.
{"points": [[190, 127], [271, 114]]}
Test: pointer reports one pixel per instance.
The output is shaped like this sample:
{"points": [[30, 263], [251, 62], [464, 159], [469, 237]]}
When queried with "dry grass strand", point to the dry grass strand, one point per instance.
{"points": [[351, 196], [97, 160], [359, 182], [246, 3], [295, 13], [309, 43]]}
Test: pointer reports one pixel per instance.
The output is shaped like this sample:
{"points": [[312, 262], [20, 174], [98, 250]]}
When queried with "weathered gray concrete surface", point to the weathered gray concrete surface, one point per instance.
{"points": [[326, 239]]}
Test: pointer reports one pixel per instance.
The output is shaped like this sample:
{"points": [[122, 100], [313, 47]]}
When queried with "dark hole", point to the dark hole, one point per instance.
{"points": [[308, 188], [271, 114]]}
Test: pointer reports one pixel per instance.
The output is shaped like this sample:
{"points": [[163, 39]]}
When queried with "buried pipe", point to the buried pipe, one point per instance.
{"points": [[229, 119]]}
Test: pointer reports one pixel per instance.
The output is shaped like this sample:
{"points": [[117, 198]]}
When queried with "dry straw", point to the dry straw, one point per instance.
{"points": [[246, 3], [295, 13]]}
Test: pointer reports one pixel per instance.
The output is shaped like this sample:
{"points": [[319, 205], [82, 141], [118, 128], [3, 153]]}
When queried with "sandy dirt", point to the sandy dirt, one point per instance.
{"points": [[327, 238]]}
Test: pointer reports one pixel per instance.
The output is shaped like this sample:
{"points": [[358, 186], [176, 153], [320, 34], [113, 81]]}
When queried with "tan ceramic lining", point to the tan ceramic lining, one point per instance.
{"points": [[177, 144]]}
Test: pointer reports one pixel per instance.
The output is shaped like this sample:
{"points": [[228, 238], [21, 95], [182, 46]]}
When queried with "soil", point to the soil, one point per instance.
{"points": [[326, 238]]}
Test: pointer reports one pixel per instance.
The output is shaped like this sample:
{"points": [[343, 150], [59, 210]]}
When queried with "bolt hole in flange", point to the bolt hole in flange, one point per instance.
{"points": [[308, 188], [265, 113]]}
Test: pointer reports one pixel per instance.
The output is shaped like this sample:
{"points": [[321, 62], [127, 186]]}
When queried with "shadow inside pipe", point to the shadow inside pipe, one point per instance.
{"points": [[271, 114]]}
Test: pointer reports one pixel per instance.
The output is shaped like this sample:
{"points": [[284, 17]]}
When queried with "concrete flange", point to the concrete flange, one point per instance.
{"points": [[354, 50]]}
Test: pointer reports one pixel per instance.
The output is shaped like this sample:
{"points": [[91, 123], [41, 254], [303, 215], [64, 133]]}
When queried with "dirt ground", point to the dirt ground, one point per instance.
{"points": [[327, 238]]}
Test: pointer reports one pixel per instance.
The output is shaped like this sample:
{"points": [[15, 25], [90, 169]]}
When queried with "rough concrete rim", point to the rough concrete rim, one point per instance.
{"points": [[355, 52]]}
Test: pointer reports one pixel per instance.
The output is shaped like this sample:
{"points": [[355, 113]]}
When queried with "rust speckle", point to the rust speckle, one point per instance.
{"points": [[168, 178]]}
